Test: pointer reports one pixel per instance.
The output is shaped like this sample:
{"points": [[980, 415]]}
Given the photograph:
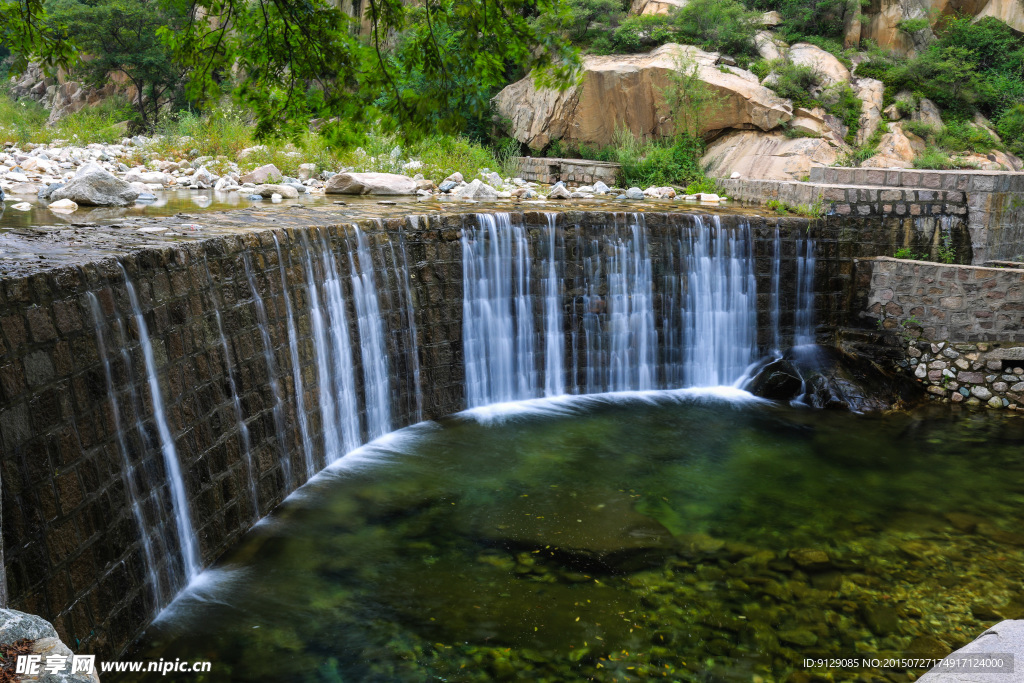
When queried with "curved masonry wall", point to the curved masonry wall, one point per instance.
{"points": [[73, 551]]}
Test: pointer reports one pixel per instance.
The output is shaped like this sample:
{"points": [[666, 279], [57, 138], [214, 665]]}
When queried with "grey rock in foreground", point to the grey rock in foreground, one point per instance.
{"points": [[96, 187], [15, 625], [370, 183], [1005, 638]]}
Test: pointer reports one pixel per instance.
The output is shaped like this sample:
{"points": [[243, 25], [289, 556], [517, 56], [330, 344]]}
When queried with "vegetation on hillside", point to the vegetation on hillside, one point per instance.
{"points": [[424, 74]]}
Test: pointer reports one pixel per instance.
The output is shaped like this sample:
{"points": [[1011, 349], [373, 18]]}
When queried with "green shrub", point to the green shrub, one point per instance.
{"points": [[841, 101], [641, 33], [717, 25], [795, 82], [1011, 128], [934, 158], [704, 185], [906, 253], [912, 26]]}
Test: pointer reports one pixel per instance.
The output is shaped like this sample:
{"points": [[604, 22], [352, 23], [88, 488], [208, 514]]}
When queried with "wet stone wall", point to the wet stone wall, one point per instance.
{"points": [[78, 436]]}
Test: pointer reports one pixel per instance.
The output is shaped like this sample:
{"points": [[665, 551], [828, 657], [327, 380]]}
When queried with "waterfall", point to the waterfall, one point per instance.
{"points": [[554, 334], [804, 318], [293, 344], [497, 329], [775, 302], [721, 304], [639, 309], [268, 355], [176, 483], [411, 334], [632, 338], [341, 353], [128, 471], [372, 344], [328, 412], [243, 429]]}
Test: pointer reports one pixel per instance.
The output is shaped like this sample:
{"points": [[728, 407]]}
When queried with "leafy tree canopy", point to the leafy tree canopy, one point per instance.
{"points": [[288, 61]]}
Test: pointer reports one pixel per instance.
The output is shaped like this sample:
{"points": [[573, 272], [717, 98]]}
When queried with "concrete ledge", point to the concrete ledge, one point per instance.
{"points": [[967, 181], [1006, 638]]}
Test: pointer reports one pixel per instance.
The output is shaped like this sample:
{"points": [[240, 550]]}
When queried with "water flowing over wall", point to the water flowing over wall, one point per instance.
{"points": [[155, 405], [621, 327]]}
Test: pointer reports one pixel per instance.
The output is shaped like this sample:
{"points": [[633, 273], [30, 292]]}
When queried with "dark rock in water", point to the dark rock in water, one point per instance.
{"points": [[929, 647], [881, 619], [594, 529], [839, 381], [447, 186], [450, 603], [810, 558], [777, 381]]}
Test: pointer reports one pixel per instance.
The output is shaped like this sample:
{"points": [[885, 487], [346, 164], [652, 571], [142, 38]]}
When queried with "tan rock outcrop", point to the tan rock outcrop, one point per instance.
{"points": [[641, 7], [770, 156], [928, 113], [617, 91], [897, 149], [769, 46], [870, 92], [831, 69], [884, 17]]}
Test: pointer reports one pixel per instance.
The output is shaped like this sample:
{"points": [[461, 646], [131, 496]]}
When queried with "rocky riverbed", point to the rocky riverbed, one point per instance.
{"points": [[64, 177]]}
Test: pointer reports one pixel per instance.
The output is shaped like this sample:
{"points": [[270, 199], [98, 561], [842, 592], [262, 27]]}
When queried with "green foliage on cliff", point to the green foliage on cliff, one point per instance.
{"points": [[971, 67], [725, 26]]}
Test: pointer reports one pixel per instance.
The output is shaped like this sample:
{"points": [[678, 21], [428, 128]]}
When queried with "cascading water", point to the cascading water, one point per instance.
{"points": [[721, 304], [341, 353], [373, 348], [704, 334], [179, 501], [409, 322], [804, 318], [268, 355], [328, 412], [775, 313], [497, 330], [554, 332], [293, 343], [128, 471], [243, 429]]}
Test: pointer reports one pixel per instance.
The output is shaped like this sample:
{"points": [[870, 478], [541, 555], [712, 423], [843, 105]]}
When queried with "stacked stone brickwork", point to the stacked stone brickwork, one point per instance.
{"points": [[963, 326], [575, 171]]}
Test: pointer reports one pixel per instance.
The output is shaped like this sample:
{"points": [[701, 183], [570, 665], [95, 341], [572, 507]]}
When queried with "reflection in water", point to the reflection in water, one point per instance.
{"points": [[682, 535]]}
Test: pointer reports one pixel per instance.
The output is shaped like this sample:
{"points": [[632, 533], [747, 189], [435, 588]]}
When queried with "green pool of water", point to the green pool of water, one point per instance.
{"points": [[634, 538]]}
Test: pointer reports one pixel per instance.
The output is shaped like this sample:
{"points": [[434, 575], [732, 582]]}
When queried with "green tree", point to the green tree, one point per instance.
{"points": [[287, 61], [720, 25], [120, 36]]}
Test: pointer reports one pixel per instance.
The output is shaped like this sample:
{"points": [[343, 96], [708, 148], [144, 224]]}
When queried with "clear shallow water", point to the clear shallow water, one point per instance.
{"points": [[621, 538]]}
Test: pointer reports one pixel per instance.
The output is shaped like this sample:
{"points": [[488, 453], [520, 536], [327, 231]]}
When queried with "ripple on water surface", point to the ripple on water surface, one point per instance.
{"points": [[623, 538]]}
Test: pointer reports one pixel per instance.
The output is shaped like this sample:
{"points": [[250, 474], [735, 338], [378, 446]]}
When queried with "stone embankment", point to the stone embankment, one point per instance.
{"points": [[962, 327], [989, 203]]}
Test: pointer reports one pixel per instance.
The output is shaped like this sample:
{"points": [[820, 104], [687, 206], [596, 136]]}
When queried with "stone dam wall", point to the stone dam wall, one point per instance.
{"points": [[961, 327], [72, 548]]}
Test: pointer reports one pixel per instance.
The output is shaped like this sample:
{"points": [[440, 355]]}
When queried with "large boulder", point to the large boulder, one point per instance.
{"points": [[268, 173], [768, 156], [15, 625], [370, 183], [616, 91], [825, 63], [96, 187], [477, 191]]}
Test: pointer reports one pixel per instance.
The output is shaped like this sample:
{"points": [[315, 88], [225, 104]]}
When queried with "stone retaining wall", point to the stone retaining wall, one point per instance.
{"points": [[576, 171], [991, 203], [962, 325]]}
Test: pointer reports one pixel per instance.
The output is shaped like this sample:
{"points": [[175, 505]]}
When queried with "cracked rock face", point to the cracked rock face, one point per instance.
{"points": [[625, 90]]}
